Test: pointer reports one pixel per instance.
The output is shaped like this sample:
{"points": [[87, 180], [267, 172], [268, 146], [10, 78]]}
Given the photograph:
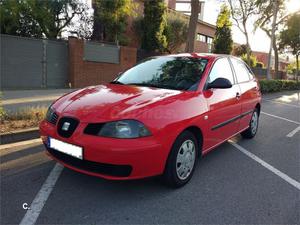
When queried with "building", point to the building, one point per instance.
{"points": [[181, 8], [264, 57]]}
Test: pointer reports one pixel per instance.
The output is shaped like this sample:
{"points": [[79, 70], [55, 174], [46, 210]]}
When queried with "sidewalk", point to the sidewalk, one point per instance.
{"points": [[14, 100]]}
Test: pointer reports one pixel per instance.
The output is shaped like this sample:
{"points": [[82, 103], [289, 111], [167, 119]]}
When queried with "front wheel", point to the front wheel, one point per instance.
{"points": [[253, 126], [182, 160]]}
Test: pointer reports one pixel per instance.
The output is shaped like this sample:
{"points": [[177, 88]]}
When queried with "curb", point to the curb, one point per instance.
{"points": [[20, 135]]}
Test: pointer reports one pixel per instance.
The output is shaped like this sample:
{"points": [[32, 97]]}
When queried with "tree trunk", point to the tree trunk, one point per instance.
{"points": [[276, 57], [98, 28], [248, 50], [275, 9], [297, 66], [195, 5]]}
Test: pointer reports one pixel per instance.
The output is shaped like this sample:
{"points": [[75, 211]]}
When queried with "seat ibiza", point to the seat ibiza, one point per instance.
{"points": [[157, 118]]}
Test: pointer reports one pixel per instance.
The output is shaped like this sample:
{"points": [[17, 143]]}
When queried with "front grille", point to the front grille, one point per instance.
{"points": [[94, 167], [67, 131], [53, 118]]}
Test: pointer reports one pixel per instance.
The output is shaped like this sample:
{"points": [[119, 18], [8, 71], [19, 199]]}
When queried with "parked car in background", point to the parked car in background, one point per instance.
{"points": [[157, 118]]}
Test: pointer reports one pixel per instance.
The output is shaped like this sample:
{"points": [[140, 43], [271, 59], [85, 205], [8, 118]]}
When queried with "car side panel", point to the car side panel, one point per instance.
{"points": [[250, 97]]}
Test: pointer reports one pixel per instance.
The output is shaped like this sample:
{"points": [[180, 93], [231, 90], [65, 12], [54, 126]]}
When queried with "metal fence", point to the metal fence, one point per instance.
{"points": [[28, 63], [100, 52]]}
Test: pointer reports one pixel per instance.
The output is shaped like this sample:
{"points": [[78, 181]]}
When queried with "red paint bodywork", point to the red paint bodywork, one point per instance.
{"points": [[166, 113]]}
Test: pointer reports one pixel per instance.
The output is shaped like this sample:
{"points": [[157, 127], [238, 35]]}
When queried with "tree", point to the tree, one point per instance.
{"points": [[223, 39], [195, 10], [239, 50], [34, 18], [253, 60], [154, 22], [16, 19], [270, 23], [241, 11], [110, 20], [175, 31], [290, 37]]}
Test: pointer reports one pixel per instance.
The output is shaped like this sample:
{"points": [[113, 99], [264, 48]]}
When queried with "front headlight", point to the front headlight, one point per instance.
{"points": [[49, 113], [124, 129]]}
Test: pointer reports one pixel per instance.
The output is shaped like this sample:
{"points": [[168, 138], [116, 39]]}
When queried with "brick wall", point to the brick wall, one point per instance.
{"points": [[84, 73]]}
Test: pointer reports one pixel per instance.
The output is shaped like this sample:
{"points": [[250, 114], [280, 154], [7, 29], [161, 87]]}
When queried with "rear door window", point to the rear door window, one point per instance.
{"points": [[241, 71]]}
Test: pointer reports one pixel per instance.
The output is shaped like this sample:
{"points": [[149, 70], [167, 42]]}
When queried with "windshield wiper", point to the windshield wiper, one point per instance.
{"points": [[116, 82]]}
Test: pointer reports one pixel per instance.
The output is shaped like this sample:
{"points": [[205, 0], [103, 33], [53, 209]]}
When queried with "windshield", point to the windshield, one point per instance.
{"points": [[178, 73]]}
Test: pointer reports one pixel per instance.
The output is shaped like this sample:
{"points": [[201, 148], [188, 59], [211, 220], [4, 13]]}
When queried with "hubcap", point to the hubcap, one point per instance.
{"points": [[185, 159], [254, 122]]}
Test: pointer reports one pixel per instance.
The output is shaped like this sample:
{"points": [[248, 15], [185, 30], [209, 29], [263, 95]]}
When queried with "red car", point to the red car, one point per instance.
{"points": [[157, 118]]}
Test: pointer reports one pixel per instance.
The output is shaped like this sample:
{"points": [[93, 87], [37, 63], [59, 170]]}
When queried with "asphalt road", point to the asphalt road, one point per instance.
{"points": [[228, 186]]}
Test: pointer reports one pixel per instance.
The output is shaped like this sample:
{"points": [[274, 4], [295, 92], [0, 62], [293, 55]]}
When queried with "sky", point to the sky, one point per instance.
{"points": [[259, 41]]}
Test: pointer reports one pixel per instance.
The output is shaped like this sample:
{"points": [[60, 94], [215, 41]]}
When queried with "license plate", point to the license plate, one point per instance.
{"points": [[66, 148]]}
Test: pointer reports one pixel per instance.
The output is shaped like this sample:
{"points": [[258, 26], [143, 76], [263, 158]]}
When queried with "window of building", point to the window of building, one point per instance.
{"points": [[209, 40], [201, 37]]}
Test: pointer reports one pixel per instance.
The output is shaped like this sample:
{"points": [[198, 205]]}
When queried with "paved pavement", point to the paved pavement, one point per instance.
{"points": [[14, 100], [241, 182]]}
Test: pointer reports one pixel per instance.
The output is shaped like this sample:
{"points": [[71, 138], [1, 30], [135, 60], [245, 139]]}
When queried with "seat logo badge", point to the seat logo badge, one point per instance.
{"points": [[65, 126]]}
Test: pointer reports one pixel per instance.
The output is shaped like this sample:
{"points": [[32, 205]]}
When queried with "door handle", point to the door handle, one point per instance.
{"points": [[238, 95]]}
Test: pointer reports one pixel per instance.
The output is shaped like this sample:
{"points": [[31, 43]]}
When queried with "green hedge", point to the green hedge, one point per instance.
{"points": [[278, 85]]}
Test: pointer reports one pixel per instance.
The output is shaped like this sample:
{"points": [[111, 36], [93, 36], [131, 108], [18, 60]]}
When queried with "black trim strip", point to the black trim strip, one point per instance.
{"points": [[231, 120]]}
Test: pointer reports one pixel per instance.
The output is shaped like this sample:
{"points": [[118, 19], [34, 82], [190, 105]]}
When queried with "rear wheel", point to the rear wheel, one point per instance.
{"points": [[182, 160], [253, 126]]}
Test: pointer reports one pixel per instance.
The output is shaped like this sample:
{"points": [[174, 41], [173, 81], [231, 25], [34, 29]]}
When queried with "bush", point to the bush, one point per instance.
{"points": [[278, 85], [253, 60], [175, 32]]}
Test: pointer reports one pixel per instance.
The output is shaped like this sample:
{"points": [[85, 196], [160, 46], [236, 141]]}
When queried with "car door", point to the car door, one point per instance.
{"points": [[224, 107], [249, 90]]}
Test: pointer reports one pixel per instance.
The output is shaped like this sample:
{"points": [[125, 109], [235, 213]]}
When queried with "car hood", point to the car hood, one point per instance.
{"points": [[113, 101]]}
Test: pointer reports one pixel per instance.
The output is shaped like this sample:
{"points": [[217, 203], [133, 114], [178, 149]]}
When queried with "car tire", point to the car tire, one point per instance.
{"points": [[182, 160], [253, 126]]}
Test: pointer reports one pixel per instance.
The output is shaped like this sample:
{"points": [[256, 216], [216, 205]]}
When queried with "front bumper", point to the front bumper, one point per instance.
{"points": [[110, 158]]}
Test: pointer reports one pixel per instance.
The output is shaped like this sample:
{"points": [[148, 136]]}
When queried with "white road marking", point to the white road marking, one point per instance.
{"points": [[40, 199], [293, 132], [282, 103], [282, 175], [282, 118]]}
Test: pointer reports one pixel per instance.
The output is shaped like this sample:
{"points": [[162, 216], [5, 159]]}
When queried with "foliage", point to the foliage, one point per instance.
{"points": [[154, 22], [239, 50], [253, 60], [110, 20], [260, 65], [34, 18], [290, 37], [278, 85], [291, 68], [2, 111], [222, 42], [175, 32]]}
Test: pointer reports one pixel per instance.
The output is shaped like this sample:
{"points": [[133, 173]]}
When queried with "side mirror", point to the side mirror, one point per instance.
{"points": [[221, 83]]}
